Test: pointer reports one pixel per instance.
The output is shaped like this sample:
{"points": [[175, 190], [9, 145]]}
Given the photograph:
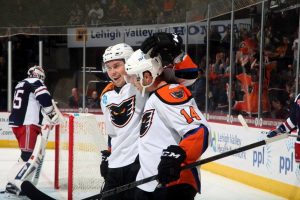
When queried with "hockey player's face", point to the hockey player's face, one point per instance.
{"points": [[134, 80], [116, 71], [147, 78]]}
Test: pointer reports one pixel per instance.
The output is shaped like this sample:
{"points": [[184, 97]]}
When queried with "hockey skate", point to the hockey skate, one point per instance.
{"points": [[13, 189]]}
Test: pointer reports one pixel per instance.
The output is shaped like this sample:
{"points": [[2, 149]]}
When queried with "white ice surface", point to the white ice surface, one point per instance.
{"points": [[214, 187]]}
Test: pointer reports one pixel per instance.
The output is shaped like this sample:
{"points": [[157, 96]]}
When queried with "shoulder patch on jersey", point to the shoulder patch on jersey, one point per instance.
{"points": [[122, 113], [146, 121], [108, 87], [173, 95]]}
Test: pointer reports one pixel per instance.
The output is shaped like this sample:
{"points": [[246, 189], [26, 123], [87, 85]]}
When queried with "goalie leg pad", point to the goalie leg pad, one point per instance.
{"points": [[15, 170], [27, 170]]}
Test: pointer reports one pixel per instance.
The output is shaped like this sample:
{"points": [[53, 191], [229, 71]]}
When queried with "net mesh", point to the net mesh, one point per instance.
{"points": [[88, 142]]}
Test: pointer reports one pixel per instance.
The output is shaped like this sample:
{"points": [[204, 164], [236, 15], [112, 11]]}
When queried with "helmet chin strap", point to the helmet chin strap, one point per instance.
{"points": [[146, 86]]}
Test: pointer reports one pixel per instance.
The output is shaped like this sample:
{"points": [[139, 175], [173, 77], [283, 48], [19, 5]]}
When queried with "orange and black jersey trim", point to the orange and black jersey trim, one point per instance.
{"points": [[173, 95], [109, 87]]}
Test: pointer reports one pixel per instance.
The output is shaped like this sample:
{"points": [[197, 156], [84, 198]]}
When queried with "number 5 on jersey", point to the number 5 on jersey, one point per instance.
{"points": [[191, 115], [18, 99]]}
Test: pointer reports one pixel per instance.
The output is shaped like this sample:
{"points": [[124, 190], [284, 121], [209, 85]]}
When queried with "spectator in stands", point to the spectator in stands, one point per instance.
{"points": [[95, 15], [220, 64], [76, 15], [278, 100], [290, 90], [125, 12], [113, 8], [169, 5], [295, 53], [250, 87], [75, 100], [283, 55], [94, 102], [198, 90]]}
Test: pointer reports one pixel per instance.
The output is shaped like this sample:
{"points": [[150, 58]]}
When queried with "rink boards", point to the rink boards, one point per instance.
{"points": [[270, 167]]}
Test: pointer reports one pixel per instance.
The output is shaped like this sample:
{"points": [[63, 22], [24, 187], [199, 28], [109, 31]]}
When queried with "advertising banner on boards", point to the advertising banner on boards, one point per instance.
{"points": [[135, 35]]}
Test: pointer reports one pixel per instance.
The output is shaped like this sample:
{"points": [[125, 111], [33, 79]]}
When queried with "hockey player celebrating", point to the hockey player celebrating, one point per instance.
{"points": [[31, 99], [290, 124], [178, 66], [122, 106], [173, 132]]}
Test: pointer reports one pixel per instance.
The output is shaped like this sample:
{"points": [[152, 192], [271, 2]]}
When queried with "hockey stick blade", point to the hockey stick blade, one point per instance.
{"points": [[33, 193], [295, 136], [189, 166]]}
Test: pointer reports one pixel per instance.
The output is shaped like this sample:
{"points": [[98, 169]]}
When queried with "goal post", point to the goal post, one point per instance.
{"points": [[78, 142]]}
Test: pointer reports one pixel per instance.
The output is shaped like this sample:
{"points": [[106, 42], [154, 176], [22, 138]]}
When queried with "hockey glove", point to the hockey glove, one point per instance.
{"points": [[170, 164], [279, 130], [168, 45], [104, 163], [54, 118]]}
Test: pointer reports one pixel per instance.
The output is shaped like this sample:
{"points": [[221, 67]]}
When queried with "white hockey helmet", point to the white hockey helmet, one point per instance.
{"points": [[36, 72], [118, 51], [138, 63]]}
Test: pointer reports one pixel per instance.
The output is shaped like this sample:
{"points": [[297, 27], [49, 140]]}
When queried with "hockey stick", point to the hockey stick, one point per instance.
{"points": [[245, 125], [243, 121], [33, 193], [189, 166], [40, 164], [38, 170], [296, 136]]}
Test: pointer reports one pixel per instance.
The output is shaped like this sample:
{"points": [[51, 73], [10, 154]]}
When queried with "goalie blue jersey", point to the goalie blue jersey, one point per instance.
{"points": [[293, 122], [29, 97]]}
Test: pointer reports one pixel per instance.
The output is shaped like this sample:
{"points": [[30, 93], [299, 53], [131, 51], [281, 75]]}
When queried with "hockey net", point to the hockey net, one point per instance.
{"points": [[77, 156]]}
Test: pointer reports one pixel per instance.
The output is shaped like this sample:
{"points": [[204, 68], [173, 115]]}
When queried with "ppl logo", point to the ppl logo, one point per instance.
{"points": [[262, 157], [286, 163]]}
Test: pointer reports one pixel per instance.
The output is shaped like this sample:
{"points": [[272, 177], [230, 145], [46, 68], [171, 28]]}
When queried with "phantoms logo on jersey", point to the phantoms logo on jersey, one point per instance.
{"points": [[146, 122], [178, 94], [122, 113]]}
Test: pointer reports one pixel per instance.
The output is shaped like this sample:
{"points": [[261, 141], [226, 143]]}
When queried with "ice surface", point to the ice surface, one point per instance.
{"points": [[214, 187]]}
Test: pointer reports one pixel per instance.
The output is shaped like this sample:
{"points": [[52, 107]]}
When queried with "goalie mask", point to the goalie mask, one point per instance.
{"points": [[36, 72], [119, 51], [139, 63]]}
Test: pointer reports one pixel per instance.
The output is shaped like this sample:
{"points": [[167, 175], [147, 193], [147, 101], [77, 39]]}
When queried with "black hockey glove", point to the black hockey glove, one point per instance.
{"points": [[279, 130], [104, 163], [170, 164], [168, 45]]}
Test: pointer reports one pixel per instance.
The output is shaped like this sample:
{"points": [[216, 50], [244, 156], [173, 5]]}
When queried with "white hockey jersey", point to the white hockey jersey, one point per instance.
{"points": [[171, 117], [122, 112]]}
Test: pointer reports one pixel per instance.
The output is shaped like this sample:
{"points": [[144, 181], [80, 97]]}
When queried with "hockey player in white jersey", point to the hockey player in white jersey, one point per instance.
{"points": [[122, 106], [173, 132], [31, 98]]}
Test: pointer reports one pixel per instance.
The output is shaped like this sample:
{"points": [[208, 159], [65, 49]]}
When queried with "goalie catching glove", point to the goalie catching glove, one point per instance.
{"points": [[168, 45], [104, 163], [170, 165]]}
